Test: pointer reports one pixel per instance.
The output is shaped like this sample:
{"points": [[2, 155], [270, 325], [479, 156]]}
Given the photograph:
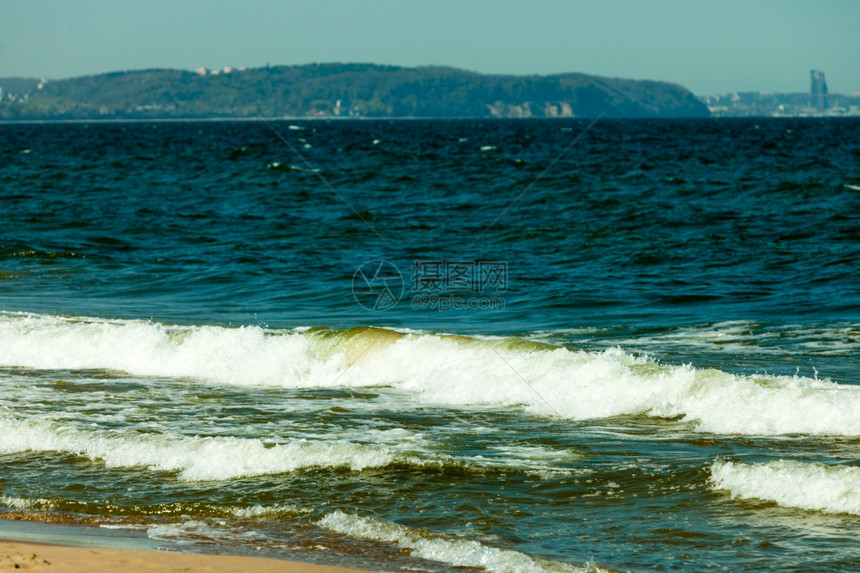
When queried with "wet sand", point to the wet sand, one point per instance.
{"points": [[32, 542]]}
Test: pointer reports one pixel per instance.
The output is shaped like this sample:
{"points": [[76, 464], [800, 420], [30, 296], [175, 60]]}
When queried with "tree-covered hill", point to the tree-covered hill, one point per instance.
{"points": [[346, 90]]}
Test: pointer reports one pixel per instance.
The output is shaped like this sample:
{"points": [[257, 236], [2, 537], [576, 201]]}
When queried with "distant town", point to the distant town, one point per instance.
{"points": [[817, 102]]}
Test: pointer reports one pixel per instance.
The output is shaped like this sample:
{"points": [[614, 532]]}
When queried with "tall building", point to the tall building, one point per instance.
{"points": [[818, 92]]}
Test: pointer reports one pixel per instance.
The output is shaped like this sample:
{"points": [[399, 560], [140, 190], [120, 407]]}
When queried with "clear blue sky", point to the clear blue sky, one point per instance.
{"points": [[714, 46]]}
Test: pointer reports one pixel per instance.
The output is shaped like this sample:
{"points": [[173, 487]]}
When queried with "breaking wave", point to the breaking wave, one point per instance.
{"points": [[812, 486], [442, 369], [221, 458], [457, 552]]}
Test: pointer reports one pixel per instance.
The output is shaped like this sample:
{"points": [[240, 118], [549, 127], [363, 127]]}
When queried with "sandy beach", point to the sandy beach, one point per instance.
{"points": [[15, 555], [48, 542]]}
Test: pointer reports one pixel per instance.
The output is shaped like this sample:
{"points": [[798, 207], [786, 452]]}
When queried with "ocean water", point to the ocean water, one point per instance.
{"points": [[543, 345]]}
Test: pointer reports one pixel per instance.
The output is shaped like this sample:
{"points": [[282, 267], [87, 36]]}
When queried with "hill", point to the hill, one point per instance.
{"points": [[347, 90], [13, 88]]}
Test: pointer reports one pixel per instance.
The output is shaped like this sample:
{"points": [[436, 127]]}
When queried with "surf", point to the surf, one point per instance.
{"points": [[441, 369], [804, 485]]}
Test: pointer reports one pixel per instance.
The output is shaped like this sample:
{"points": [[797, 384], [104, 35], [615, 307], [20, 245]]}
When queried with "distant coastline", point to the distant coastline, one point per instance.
{"points": [[339, 90]]}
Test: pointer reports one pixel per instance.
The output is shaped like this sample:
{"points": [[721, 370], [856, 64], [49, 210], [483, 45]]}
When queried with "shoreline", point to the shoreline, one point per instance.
{"points": [[40, 546], [43, 557]]}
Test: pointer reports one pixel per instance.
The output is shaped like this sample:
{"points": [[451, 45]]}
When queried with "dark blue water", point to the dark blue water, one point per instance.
{"points": [[728, 246], [638, 223]]}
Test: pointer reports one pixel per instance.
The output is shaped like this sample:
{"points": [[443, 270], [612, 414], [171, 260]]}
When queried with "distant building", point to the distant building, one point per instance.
{"points": [[202, 71], [818, 91]]}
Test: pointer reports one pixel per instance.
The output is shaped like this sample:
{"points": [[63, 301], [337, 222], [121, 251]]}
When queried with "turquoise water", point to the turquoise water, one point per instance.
{"points": [[517, 345]]}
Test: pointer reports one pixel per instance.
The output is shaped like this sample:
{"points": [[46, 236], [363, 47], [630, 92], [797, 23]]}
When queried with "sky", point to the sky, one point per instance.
{"points": [[710, 47]]}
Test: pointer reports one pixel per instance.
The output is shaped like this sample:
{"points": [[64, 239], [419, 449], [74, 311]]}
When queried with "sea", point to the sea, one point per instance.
{"points": [[438, 345]]}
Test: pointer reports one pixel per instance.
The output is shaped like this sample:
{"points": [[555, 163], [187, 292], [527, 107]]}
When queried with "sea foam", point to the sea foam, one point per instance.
{"points": [[811, 486], [457, 552], [194, 458], [440, 369]]}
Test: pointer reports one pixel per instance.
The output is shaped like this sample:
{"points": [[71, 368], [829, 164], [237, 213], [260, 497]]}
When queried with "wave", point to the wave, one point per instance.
{"points": [[27, 503], [222, 458], [195, 458], [812, 486], [457, 552], [442, 369]]}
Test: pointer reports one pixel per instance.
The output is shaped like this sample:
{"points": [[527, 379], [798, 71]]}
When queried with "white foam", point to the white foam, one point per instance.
{"points": [[583, 385], [25, 503], [444, 370], [245, 355], [267, 510], [223, 458], [195, 458], [190, 532], [811, 486], [457, 552], [533, 460]]}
